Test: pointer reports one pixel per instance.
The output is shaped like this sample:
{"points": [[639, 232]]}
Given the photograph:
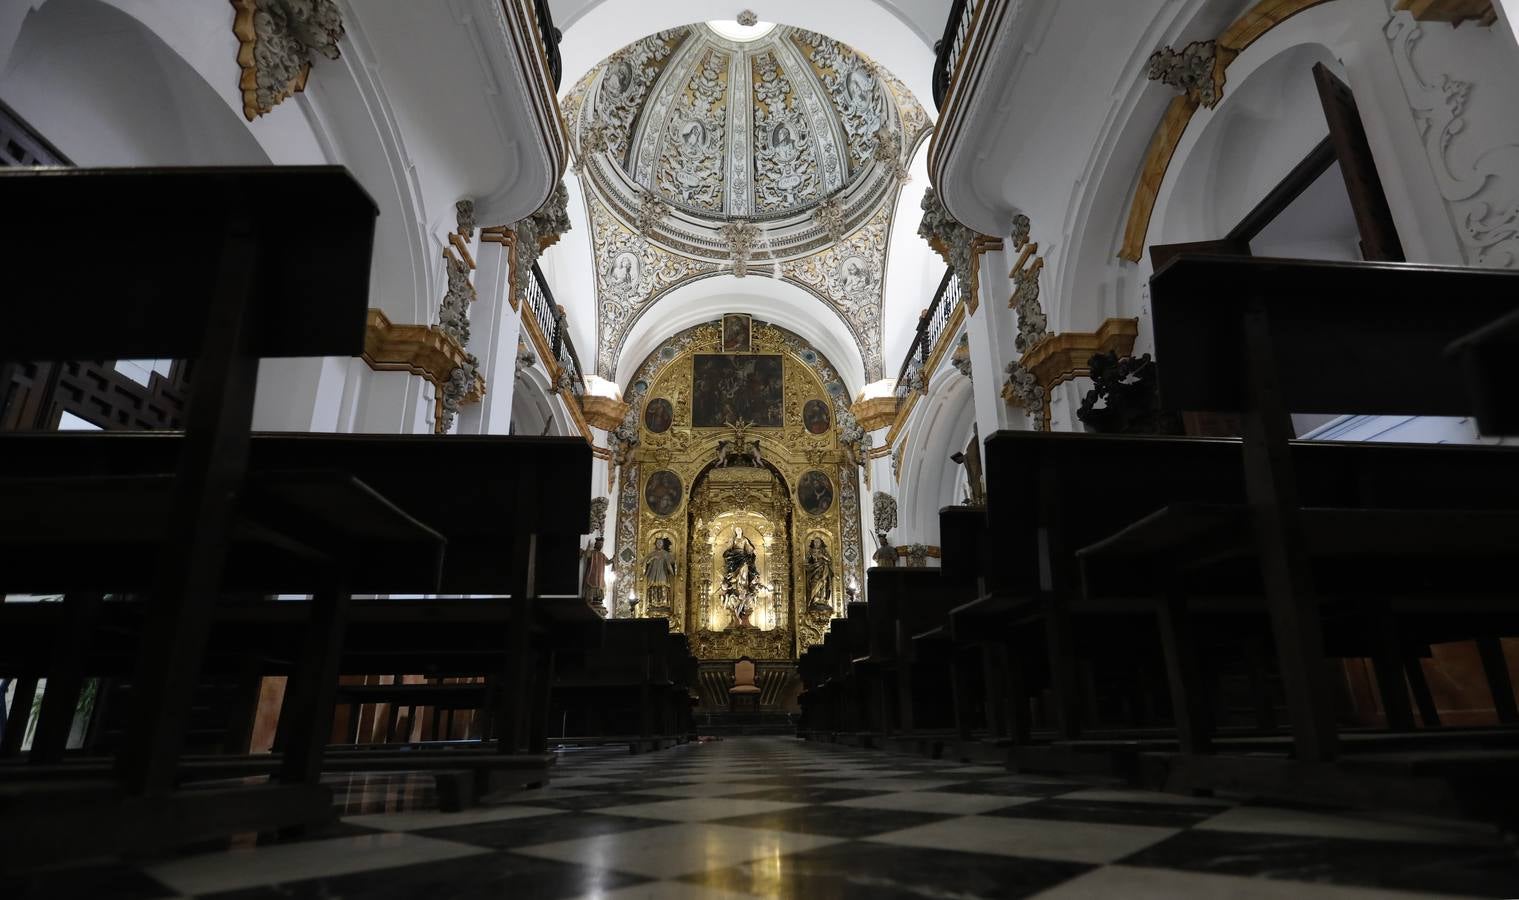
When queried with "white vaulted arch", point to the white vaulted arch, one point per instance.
{"points": [[930, 480], [772, 300]]}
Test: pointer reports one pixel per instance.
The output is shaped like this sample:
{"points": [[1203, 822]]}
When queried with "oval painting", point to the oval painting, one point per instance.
{"points": [[815, 492], [658, 415], [815, 417], [663, 492]]}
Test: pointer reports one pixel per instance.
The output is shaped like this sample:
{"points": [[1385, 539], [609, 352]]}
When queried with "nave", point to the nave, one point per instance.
{"points": [[776, 817]]}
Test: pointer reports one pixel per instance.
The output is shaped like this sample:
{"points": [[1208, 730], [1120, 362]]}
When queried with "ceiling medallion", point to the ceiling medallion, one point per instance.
{"points": [[747, 18]]}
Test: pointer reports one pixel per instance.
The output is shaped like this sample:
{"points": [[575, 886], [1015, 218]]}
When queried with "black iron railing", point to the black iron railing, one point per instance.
{"points": [[551, 37], [555, 327], [949, 49], [932, 325]]}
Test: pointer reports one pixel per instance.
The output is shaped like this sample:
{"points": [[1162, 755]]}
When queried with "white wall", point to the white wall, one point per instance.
{"points": [[913, 270]]}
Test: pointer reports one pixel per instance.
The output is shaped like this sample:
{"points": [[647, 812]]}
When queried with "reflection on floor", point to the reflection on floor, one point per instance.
{"points": [[774, 817]]}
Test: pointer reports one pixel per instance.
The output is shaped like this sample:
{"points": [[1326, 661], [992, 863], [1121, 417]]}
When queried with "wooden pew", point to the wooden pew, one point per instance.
{"points": [[623, 692], [524, 492], [1266, 338], [1486, 358], [1117, 613], [207, 273]]}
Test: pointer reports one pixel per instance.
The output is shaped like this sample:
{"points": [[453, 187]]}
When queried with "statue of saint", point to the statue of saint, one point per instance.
{"points": [[740, 577], [819, 568], [659, 570], [885, 555], [593, 584]]}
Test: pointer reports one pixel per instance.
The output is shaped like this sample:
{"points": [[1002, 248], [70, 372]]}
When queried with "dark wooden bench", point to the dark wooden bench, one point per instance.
{"points": [[627, 691], [208, 273], [1486, 357], [1265, 338], [505, 508]]}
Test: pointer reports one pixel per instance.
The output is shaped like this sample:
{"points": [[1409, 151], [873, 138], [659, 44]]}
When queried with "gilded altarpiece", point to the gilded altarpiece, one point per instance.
{"points": [[780, 496]]}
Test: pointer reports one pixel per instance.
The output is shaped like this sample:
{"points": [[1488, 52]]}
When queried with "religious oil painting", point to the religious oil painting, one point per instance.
{"points": [[815, 417], [727, 389], [658, 415], [736, 333], [663, 492], [815, 492]]}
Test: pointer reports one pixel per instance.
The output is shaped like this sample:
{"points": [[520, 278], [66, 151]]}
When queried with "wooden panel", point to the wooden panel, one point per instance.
{"points": [[1379, 236]]}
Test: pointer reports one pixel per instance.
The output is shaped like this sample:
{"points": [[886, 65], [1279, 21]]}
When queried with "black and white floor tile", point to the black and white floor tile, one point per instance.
{"points": [[774, 817]]}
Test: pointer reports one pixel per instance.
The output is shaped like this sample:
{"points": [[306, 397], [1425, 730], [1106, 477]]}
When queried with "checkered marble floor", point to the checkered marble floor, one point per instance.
{"points": [[774, 817]]}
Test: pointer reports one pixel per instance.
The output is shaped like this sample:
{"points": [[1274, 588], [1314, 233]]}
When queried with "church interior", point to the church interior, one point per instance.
{"points": [[862, 448]]}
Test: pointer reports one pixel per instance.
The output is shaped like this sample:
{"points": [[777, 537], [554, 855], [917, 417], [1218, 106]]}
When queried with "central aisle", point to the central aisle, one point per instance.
{"points": [[772, 817]]}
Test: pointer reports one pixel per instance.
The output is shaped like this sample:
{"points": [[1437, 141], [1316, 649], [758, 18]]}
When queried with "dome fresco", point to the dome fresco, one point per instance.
{"points": [[756, 129]]}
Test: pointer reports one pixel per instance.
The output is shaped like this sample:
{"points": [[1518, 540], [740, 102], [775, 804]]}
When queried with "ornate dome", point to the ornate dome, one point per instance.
{"points": [[761, 130], [780, 156]]}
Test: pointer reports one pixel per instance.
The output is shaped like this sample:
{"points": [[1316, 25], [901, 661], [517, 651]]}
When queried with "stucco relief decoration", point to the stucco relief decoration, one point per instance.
{"points": [[651, 211], [537, 232], [1022, 389], [464, 217], [278, 40], [849, 526], [852, 84], [623, 439], [1477, 171], [627, 537], [946, 235], [740, 237], [829, 215], [1020, 231], [598, 521], [855, 440], [1033, 324], [888, 153], [960, 358], [913, 118], [785, 161], [1189, 70], [848, 275], [691, 165], [630, 271], [453, 320], [883, 507], [626, 80]]}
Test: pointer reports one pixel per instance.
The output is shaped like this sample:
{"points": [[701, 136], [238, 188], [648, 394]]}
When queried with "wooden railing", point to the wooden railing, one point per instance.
{"points": [[554, 326], [949, 49], [932, 325]]}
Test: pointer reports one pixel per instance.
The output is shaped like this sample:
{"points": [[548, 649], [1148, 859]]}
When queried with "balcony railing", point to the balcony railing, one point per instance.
{"points": [[551, 37], [933, 326], [554, 327], [948, 50]]}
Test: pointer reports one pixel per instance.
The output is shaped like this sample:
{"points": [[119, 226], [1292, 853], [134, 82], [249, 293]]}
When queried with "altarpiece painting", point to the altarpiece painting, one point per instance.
{"points": [[728, 388]]}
